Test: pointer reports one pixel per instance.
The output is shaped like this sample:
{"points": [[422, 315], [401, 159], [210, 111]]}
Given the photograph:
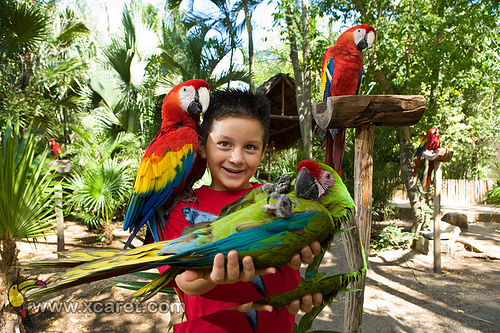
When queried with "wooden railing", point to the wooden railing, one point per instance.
{"points": [[457, 191]]}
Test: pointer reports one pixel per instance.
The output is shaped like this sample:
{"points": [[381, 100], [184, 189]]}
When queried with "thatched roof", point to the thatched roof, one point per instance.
{"points": [[284, 128]]}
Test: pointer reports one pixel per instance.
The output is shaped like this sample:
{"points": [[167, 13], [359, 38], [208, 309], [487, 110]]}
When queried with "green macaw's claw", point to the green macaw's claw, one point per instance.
{"points": [[329, 286]]}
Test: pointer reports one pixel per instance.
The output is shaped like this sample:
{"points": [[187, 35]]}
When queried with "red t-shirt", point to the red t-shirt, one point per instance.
{"points": [[205, 313]]}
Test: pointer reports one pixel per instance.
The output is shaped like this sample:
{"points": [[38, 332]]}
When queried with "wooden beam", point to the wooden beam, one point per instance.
{"points": [[381, 110], [280, 117]]}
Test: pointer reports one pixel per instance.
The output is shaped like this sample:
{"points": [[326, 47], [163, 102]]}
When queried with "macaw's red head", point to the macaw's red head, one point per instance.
{"points": [[51, 142], [185, 101], [363, 37], [433, 132], [313, 179]]}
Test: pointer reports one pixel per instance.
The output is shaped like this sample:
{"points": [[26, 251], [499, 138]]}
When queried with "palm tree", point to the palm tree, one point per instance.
{"points": [[101, 178], [24, 27], [188, 52], [26, 204], [122, 83], [98, 191], [225, 21]]}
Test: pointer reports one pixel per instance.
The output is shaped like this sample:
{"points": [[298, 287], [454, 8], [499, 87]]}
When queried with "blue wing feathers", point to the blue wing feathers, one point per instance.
{"points": [[259, 238]]}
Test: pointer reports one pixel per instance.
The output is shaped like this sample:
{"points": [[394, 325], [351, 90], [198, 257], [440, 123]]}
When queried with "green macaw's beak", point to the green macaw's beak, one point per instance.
{"points": [[306, 186]]}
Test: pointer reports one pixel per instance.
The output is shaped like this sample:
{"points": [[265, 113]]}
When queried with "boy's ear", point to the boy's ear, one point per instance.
{"points": [[202, 150]]}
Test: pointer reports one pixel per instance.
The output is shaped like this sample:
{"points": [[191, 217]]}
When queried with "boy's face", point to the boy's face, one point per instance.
{"points": [[233, 151]]}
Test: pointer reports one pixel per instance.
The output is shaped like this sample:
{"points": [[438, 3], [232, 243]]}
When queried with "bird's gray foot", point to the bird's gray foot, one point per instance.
{"points": [[283, 206], [284, 183]]}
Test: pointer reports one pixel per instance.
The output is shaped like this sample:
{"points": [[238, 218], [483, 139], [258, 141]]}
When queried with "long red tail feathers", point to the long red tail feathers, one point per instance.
{"points": [[334, 149]]}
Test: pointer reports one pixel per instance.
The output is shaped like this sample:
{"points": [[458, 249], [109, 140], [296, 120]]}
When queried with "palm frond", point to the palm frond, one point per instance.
{"points": [[26, 188]]}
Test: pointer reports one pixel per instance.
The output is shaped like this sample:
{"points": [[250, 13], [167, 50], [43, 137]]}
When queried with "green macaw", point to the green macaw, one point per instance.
{"points": [[271, 236]]}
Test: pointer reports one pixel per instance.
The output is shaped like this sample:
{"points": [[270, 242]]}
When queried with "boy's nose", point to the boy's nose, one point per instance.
{"points": [[236, 156]]}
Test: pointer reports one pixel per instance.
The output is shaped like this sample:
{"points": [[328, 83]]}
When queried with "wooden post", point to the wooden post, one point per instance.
{"points": [[60, 218], [363, 172], [364, 113], [438, 176], [438, 156]]}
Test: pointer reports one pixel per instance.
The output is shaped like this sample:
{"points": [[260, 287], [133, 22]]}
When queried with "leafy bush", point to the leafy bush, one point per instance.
{"points": [[391, 237]]}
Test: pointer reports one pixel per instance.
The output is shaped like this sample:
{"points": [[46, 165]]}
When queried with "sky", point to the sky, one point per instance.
{"points": [[262, 17]]}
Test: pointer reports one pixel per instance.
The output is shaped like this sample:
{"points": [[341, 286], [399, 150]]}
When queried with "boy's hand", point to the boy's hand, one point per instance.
{"points": [[200, 281], [306, 255], [306, 304]]}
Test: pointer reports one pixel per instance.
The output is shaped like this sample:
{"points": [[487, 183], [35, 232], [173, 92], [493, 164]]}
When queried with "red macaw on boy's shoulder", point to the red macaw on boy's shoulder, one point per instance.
{"points": [[171, 163]]}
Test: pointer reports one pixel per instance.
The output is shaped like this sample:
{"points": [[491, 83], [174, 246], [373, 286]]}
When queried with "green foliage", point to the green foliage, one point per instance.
{"points": [[98, 190], [391, 237], [287, 161], [23, 27], [26, 187], [493, 195]]}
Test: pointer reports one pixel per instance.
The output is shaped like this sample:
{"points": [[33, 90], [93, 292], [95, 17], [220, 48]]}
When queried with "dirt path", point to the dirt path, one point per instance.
{"points": [[402, 295]]}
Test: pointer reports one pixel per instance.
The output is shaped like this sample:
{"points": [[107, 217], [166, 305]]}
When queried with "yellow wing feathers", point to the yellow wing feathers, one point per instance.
{"points": [[156, 171]]}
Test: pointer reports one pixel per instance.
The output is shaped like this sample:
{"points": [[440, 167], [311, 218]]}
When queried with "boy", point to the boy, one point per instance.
{"points": [[233, 138]]}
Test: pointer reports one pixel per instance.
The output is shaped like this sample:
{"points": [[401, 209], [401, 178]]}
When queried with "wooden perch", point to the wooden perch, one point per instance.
{"points": [[440, 155], [364, 113], [381, 110]]}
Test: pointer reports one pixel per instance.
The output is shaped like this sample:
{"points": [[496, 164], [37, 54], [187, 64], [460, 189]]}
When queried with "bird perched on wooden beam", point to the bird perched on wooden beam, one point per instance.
{"points": [[341, 74], [430, 141]]}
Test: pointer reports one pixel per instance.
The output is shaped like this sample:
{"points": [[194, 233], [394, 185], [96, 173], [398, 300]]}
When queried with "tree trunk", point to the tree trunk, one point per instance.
{"points": [[412, 184], [108, 233], [306, 81], [248, 20], [9, 275], [302, 80]]}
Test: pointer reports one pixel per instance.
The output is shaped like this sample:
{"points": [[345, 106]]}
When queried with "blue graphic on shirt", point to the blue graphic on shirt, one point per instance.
{"points": [[194, 216]]}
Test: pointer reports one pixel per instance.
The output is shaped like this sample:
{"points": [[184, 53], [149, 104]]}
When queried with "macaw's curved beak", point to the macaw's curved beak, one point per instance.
{"points": [[306, 186], [200, 102], [367, 42]]}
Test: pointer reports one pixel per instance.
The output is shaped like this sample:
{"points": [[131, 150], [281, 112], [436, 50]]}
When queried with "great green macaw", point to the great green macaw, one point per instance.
{"points": [[341, 74], [171, 163], [320, 204]]}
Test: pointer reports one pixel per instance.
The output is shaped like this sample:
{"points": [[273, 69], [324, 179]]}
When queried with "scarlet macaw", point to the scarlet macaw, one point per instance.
{"points": [[430, 141], [55, 149], [171, 163], [320, 204], [341, 74]]}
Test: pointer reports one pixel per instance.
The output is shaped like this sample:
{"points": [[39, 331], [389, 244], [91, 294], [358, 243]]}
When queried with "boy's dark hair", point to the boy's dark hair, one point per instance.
{"points": [[236, 103]]}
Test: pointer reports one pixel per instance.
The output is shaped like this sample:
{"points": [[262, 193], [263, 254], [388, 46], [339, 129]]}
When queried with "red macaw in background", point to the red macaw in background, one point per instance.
{"points": [[341, 75], [171, 163], [430, 141], [55, 149]]}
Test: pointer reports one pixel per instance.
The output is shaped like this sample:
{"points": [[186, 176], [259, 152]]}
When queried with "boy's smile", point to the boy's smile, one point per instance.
{"points": [[233, 151]]}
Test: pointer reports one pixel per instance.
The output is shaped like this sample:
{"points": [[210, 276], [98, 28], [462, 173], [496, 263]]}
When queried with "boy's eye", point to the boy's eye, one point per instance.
{"points": [[224, 144], [250, 147]]}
